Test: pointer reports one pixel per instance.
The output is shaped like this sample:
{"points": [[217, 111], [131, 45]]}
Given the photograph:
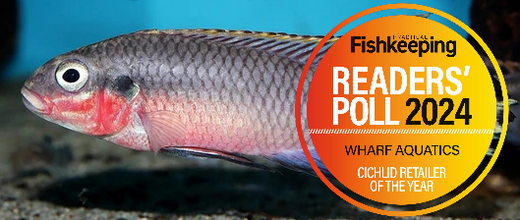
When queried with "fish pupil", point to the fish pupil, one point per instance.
{"points": [[71, 75]]}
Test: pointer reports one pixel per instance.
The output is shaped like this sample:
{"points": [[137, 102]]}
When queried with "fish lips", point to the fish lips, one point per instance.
{"points": [[34, 102]]}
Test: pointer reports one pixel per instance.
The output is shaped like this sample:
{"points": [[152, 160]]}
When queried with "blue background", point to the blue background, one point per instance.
{"points": [[49, 28]]}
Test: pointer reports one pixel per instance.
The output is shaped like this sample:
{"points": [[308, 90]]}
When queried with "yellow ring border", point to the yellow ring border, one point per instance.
{"points": [[505, 110]]}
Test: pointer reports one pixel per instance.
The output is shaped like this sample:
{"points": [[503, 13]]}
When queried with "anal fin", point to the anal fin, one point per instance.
{"points": [[213, 154]]}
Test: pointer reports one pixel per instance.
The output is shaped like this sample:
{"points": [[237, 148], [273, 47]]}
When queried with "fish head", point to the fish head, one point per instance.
{"points": [[77, 92]]}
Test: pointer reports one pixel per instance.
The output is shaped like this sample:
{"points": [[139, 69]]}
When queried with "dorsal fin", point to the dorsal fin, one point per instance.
{"points": [[297, 48]]}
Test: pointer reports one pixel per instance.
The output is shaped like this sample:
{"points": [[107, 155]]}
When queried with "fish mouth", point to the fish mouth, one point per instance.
{"points": [[34, 102]]}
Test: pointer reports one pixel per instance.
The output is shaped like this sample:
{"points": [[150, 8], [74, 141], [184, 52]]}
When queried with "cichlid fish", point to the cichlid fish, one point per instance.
{"points": [[206, 93]]}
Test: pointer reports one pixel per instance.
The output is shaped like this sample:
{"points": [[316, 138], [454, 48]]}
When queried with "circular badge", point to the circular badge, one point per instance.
{"points": [[402, 111]]}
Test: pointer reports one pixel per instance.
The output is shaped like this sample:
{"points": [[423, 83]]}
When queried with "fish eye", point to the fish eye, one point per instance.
{"points": [[72, 75]]}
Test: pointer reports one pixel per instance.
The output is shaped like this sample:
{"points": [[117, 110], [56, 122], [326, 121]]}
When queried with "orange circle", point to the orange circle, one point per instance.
{"points": [[345, 168]]}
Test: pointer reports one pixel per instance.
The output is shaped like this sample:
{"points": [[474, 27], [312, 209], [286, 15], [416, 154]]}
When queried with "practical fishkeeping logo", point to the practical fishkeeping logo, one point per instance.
{"points": [[403, 44]]}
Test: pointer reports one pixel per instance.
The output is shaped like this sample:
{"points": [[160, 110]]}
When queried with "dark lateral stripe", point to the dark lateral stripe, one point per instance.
{"points": [[275, 45], [300, 48], [265, 42], [253, 42]]}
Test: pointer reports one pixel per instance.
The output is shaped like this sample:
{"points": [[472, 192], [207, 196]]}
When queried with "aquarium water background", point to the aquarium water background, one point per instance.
{"points": [[49, 28], [49, 172]]}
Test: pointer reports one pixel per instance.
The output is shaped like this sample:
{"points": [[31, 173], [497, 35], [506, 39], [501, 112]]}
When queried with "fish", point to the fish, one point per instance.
{"points": [[205, 93]]}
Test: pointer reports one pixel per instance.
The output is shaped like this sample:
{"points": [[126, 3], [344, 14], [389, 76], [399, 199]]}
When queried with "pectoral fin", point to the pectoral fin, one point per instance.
{"points": [[163, 128]]}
